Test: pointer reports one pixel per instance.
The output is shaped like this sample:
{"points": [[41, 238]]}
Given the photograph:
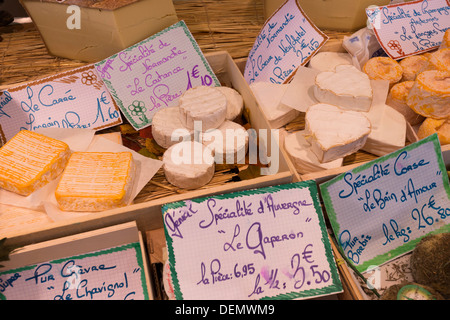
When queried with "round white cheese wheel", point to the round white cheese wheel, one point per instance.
{"points": [[430, 94], [327, 61], [235, 102], [413, 65], [167, 128], [383, 68], [202, 106], [397, 100], [229, 142], [188, 165]]}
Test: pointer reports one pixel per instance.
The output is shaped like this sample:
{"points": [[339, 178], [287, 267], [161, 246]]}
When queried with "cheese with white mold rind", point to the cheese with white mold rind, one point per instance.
{"points": [[96, 181], [229, 142], [347, 87], [328, 61], [430, 94], [334, 132], [269, 95], [106, 26], [167, 126], [235, 102], [206, 105], [388, 132], [28, 161], [397, 100], [304, 160], [188, 165]]}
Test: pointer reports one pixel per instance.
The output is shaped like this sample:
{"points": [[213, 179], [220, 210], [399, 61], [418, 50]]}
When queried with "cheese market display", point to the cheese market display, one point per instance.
{"points": [[96, 181], [30, 160], [383, 68]]}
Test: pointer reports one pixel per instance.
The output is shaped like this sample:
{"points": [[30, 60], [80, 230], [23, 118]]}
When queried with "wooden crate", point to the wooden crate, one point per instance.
{"points": [[148, 214]]}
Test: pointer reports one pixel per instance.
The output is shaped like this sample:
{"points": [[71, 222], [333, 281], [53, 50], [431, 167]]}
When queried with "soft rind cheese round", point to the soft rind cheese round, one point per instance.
{"points": [[439, 126], [440, 60], [28, 161], [235, 102], [397, 100], [229, 142], [328, 61], [206, 105], [347, 88], [96, 181], [334, 132], [188, 165], [304, 160], [383, 68], [412, 66], [430, 94], [167, 128]]}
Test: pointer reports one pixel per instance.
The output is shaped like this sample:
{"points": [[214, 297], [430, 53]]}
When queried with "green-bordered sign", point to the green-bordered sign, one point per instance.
{"points": [[381, 209], [115, 273], [268, 243], [154, 73]]}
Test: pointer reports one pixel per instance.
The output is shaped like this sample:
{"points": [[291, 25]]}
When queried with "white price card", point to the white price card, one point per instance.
{"points": [[409, 28], [268, 243], [381, 209], [155, 72], [287, 40], [72, 99], [110, 274]]}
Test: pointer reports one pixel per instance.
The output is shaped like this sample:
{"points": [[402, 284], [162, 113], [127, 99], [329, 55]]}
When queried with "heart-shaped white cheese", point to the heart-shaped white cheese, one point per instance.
{"points": [[334, 132], [347, 88]]}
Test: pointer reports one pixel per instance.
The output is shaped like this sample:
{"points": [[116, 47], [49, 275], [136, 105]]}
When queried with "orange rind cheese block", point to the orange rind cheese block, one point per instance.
{"points": [[29, 161], [430, 94], [439, 126], [96, 181], [383, 68], [440, 60], [397, 100], [445, 40], [412, 66]]}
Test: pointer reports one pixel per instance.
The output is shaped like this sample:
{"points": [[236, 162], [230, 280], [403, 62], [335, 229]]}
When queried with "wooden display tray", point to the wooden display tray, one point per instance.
{"points": [[79, 244], [148, 213]]}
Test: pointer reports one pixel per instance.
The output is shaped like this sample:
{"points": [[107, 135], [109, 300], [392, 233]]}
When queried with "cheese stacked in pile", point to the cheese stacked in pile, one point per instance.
{"points": [[200, 132], [30, 160]]}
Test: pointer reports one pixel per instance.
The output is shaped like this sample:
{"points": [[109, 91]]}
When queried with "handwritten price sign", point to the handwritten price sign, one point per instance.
{"points": [[73, 99], [381, 209], [287, 40], [410, 28], [155, 72], [111, 274], [263, 243]]}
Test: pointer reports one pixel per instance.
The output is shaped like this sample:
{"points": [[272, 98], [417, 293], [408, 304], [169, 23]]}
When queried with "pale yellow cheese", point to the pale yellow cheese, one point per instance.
{"points": [[106, 26], [397, 100], [430, 94], [96, 181], [29, 160], [383, 68], [413, 65], [439, 126]]}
